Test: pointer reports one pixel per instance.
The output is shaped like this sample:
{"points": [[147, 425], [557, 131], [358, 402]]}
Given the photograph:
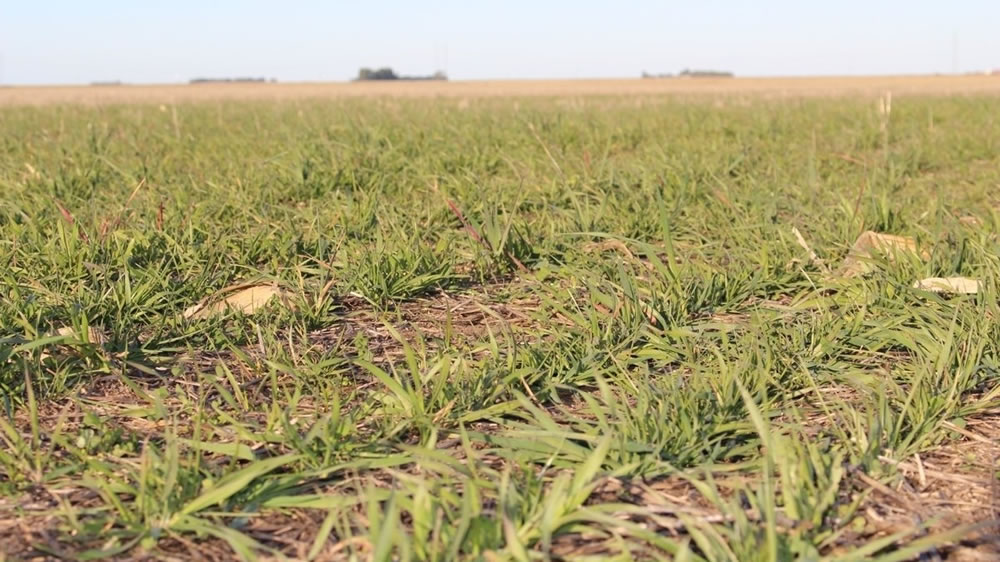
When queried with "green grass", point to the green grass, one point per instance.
{"points": [[516, 329]]}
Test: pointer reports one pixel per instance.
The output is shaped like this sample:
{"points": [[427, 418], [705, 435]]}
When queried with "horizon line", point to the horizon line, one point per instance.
{"points": [[263, 81]]}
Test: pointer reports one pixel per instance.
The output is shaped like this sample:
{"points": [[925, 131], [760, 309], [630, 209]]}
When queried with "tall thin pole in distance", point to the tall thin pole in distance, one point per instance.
{"points": [[441, 57], [954, 52]]}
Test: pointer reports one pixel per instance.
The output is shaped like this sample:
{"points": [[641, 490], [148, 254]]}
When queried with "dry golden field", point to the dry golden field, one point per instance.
{"points": [[768, 87]]}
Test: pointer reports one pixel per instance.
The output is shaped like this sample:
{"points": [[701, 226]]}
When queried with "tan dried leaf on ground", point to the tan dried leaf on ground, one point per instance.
{"points": [[954, 285], [858, 260], [242, 298], [94, 334], [608, 245]]}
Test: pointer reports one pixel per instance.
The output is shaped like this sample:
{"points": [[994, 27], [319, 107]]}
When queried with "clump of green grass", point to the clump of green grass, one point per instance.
{"points": [[390, 273]]}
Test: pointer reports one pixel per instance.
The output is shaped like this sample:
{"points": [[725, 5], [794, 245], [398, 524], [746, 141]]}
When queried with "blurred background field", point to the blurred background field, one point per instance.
{"points": [[770, 87]]}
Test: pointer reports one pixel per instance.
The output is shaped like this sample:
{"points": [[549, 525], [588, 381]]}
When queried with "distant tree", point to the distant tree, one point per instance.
{"points": [[689, 73], [384, 73]]}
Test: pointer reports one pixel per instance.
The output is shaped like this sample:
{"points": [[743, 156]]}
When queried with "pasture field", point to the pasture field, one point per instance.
{"points": [[524, 327]]}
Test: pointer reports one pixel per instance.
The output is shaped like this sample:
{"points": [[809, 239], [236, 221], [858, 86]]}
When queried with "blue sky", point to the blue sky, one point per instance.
{"points": [[62, 42]]}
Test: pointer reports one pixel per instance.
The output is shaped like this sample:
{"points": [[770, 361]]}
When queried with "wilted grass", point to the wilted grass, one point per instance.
{"points": [[510, 329]]}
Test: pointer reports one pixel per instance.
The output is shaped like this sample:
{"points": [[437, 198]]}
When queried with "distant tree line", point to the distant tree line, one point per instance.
{"points": [[386, 73], [706, 73], [688, 73], [228, 80]]}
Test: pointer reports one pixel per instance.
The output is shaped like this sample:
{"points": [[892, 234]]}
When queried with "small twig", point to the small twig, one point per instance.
{"points": [[138, 186], [812, 255], [68, 217], [108, 226], [970, 434], [857, 203], [889, 493], [849, 158], [361, 543], [472, 231], [920, 471]]}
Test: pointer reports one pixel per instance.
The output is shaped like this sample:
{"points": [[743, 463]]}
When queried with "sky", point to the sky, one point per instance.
{"points": [[136, 41]]}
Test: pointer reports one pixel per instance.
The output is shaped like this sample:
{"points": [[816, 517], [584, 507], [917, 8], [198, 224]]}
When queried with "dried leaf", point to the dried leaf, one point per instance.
{"points": [[66, 215], [94, 334], [243, 298], [608, 245], [858, 262], [954, 285]]}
